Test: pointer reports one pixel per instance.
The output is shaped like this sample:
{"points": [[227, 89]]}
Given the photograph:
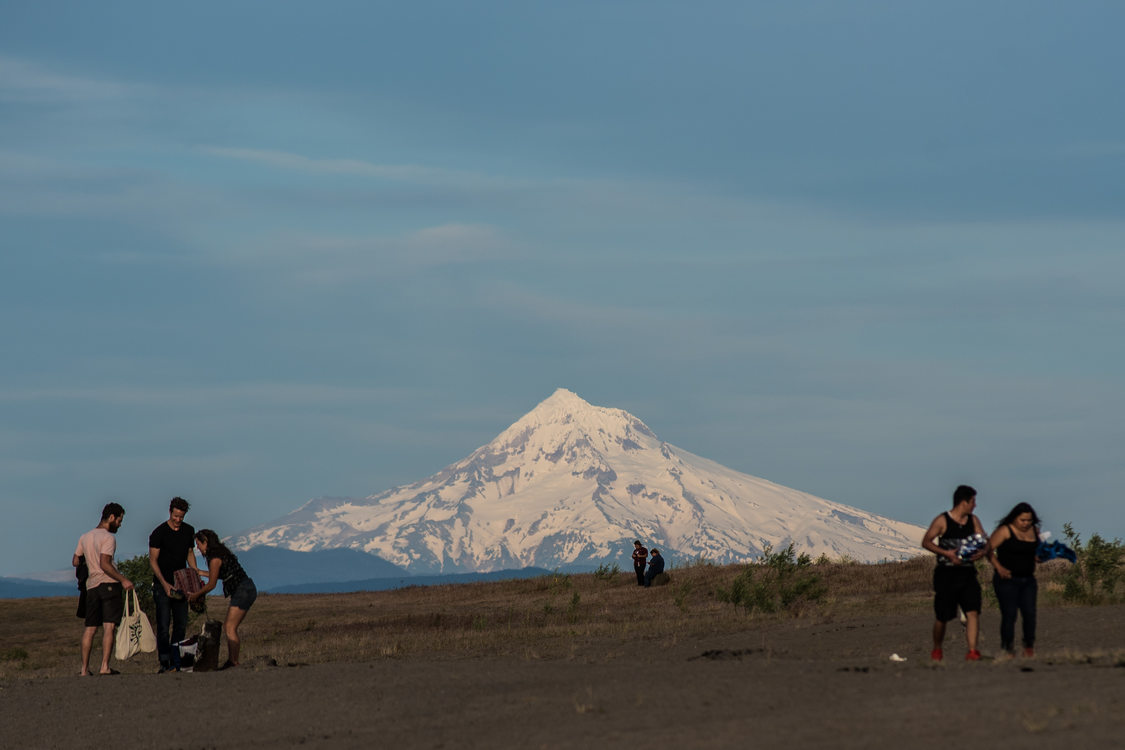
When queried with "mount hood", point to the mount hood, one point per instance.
{"points": [[571, 485]]}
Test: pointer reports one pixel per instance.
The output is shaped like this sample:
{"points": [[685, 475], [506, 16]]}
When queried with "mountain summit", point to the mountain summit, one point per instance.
{"points": [[572, 485]]}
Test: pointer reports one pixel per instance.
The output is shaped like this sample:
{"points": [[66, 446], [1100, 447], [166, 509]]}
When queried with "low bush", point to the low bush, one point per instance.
{"points": [[606, 572], [778, 582], [1094, 578], [137, 570]]}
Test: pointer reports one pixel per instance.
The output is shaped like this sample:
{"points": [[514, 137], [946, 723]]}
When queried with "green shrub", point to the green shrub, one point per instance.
{"points": [[572, 608], [137, 570], [606, 572], [778, 581], [1094, 578]]}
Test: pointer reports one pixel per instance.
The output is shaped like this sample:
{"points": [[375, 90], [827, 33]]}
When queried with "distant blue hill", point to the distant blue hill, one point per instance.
{"points": [[402, 581], [272, 567], [276, 570], [25, 588]]}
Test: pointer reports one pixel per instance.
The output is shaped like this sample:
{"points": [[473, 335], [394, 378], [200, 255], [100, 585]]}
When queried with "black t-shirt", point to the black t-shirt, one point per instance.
{"points": [[174, 547]]}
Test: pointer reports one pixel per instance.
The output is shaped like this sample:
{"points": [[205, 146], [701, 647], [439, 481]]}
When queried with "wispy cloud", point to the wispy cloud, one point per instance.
{"points": [[410, 173], [245, 393], [1096, 149], [27, 81], [330, 259]]}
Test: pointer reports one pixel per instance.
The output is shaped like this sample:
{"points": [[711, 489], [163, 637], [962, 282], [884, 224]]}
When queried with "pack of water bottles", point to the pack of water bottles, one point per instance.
{"points": [[971, 545]]}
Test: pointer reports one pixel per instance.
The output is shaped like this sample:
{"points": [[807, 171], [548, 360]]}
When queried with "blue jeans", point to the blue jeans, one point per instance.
{"points": [[1016, 596], [175, 612]]}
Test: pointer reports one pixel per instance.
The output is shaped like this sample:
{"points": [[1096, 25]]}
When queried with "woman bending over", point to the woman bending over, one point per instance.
{"points": [[222, 563]]}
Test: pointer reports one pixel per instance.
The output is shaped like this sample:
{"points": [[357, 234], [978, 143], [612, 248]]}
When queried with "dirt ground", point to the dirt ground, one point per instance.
{"points": [[809, 683]]}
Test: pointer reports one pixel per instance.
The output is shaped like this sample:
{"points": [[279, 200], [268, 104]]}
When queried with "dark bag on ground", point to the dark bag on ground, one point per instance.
{"points": [[206, 647]]}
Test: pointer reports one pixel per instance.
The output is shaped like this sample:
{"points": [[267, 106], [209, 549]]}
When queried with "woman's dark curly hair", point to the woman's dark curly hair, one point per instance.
{"points": [[215, 547]]}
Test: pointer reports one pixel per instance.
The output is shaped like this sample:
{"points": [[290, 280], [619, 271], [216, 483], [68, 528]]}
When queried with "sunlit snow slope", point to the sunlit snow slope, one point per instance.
{"points": [[572, 485]]}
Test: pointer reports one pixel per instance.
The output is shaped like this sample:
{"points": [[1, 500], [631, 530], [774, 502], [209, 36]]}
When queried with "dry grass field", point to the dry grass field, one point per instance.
{"points": [[570, 660]]}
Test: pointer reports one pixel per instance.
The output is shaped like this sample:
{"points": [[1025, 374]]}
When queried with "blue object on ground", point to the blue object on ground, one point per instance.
{"points": [[1050, 550]]}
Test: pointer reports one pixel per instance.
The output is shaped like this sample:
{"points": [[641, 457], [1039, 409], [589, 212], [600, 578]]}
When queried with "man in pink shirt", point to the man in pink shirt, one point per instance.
{"points": [[105, 586]]}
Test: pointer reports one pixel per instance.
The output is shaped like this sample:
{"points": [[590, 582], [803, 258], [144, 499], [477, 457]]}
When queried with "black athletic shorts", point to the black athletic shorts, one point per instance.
{"points": [[955, 587], [104, 604]]}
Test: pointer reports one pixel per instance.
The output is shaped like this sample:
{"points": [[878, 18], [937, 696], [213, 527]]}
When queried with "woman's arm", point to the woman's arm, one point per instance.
{"points": [[213, 566]]}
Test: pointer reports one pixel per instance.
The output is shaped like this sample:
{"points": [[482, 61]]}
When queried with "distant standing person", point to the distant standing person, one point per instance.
{"points": [[955, 580], [1014, 544], [105, 586], [222, 563], [640, 555], [170, 548], [655, 567]]}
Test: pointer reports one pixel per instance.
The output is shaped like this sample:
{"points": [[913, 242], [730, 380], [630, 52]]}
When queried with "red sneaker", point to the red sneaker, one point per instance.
{"points": [[1029, 652], [973, 655], [936, 654]]}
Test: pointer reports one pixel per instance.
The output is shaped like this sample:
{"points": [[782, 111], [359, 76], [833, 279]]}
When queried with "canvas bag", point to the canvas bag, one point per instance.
{"points": [[134, 634]]}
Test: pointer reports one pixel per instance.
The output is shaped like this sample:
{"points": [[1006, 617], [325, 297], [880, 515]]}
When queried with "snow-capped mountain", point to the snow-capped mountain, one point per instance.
{"points": [[572, 485]]}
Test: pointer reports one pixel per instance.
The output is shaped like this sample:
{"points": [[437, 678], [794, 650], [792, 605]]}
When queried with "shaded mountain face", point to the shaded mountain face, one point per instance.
{"points": [[572, 485]]}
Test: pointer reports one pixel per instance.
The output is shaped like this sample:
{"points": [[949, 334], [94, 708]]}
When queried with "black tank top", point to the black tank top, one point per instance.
{"points": [[231, 572], [952, 537], [1017, 555]]}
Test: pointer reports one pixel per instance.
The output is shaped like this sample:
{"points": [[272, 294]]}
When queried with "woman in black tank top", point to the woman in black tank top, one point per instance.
{"points": [[1014, 544], [223, 564]]}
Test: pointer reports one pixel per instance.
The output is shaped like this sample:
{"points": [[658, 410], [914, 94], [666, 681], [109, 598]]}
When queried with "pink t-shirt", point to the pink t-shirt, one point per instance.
{"points": [[92, 545]]}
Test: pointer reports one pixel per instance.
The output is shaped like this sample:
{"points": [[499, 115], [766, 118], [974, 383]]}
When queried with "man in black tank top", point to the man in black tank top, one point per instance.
{"points": [[955, 579]]}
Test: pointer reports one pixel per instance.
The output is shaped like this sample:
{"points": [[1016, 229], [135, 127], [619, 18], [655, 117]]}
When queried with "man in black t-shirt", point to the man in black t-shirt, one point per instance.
{"points": [[170, 548]]}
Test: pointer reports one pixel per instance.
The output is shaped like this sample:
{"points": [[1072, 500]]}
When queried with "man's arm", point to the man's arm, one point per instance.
{"points": [[937, 528], [192, 562], [111, 571], [153, 556]]}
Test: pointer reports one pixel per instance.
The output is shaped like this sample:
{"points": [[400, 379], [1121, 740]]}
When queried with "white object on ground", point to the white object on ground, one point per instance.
{"points": [[896, 657]]}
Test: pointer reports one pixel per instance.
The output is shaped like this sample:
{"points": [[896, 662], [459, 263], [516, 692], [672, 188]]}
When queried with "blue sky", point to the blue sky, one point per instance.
{"points": [[254, 253]]}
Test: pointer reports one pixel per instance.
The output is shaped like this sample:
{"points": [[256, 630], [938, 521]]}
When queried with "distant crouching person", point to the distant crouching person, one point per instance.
{"points": [[655, 567]]}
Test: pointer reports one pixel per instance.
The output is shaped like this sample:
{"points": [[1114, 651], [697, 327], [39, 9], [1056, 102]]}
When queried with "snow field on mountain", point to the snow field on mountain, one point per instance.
{"points": [[571, 484]]}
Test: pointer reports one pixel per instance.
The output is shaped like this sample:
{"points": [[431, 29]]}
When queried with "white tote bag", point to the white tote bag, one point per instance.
{"points": [[134, 634]]}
